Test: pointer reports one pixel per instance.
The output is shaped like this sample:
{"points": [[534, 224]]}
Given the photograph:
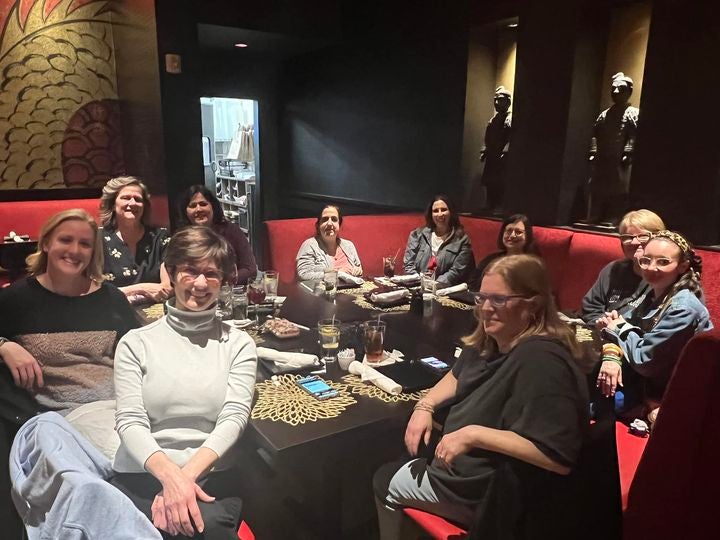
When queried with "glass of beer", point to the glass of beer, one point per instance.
{"points": [[374, 340], [329, 331]]}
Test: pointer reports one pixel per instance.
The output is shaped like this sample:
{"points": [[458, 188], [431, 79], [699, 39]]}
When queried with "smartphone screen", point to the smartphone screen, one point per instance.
{"points": [[434, 363], [316, 386]]}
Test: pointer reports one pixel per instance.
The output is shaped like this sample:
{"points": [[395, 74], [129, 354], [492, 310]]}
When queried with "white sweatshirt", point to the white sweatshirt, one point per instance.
{"points": [[182, 382]]}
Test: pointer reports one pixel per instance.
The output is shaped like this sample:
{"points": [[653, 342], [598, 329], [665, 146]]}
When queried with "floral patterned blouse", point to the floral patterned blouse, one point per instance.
{"points": [[122, 269]]}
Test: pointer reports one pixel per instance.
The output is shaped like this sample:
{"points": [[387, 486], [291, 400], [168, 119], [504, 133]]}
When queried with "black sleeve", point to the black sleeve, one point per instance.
{"points": [[548, 406], [125, 317], [476, 278], [594, 303]]}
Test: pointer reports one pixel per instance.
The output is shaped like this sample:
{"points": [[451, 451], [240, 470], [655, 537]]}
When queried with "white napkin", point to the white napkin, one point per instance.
{"points": [[409, 278], [287, 359], [389, 297], [368, 374], [449, 290], [350, 279]]}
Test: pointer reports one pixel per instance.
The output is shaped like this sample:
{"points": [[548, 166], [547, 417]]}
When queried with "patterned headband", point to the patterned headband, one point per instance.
{"points": [[676, 239]]}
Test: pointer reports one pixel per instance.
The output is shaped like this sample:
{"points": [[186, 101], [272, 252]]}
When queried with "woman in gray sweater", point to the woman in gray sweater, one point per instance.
{"points": [[184, 387]]}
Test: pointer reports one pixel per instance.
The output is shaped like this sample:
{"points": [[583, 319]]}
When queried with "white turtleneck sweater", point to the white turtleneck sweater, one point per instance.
{"points": [[182, 382]]}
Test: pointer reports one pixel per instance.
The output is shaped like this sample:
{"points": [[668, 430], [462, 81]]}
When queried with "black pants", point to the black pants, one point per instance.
{"points": [[221, 517]]}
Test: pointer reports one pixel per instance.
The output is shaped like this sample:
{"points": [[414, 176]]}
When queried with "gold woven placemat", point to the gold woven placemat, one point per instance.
{"points": [[287, 402], [358, 294], [357, 387], [583, 334], [449, 302]]}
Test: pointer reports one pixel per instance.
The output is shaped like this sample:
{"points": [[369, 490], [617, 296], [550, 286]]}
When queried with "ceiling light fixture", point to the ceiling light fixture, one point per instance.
{"points": [[512, 25], [241, 45]]}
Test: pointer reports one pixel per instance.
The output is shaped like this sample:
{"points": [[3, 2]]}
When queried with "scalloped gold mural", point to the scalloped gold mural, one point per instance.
{"points": [[59, 109]]}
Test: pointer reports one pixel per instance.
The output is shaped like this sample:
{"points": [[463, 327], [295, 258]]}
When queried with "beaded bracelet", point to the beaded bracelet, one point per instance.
{"points": [[424, 406]]}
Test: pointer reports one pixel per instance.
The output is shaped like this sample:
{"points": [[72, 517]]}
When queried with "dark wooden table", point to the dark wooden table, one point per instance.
{"points": [[321, 472]]}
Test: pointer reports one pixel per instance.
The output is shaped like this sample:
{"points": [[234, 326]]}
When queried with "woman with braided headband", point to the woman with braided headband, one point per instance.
{"points": [[643, 346]]}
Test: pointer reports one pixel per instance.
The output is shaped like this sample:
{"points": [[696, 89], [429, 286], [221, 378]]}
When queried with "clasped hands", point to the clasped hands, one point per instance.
{"points": [[611, 320], [450, 446], [175, 509]]}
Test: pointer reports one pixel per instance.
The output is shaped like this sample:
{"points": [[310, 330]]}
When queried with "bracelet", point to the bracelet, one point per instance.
{"points": [[424, 406], [615, 359], [3, 341]]}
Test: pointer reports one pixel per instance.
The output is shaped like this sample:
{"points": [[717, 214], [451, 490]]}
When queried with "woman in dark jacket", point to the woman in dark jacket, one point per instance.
{"points": [[441, 246]]}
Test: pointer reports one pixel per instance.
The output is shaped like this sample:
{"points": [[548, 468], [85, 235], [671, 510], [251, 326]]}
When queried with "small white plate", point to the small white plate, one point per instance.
{"points": [[386, 360], [242, 323]]}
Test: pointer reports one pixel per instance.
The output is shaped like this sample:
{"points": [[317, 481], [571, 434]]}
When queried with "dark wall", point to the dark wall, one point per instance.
{"points": [[378, 117]]}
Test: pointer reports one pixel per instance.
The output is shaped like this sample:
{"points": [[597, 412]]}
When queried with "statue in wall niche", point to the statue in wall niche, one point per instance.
{"points": [[611, 153], [496, 146]]}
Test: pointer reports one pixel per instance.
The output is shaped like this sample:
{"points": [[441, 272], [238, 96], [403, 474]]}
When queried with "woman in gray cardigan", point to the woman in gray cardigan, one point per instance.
{"points": [[441, 246], [326, 249]]}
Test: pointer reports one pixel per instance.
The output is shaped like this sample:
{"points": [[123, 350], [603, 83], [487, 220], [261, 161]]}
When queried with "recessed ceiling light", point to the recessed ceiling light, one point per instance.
{"points": [[241, 45], [512, 25]]}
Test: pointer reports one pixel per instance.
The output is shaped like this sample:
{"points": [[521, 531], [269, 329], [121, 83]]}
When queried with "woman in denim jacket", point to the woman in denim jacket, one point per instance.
{"points": [[650, 336], [326, 250], [441, 246]]}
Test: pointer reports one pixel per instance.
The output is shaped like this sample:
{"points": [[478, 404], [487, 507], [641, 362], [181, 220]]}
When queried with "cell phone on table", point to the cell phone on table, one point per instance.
{"points": [[435, 364], [317, 387]]}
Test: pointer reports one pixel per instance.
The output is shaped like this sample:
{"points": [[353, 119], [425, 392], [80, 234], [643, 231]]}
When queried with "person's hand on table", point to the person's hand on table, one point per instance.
{"points": [[609, 378], [25, 369], [154, 292], [355, 271], [453, 445], [419, 428], [177, 502]]}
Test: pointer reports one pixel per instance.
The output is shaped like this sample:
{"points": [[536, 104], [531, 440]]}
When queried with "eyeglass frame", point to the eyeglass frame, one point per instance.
{"points": [[216, 276], [656, 260], [480, 298], [513, 232], [627, 239]]}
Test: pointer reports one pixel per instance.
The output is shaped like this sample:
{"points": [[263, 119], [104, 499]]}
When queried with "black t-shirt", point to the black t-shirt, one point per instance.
{"points": [[534, 390]]}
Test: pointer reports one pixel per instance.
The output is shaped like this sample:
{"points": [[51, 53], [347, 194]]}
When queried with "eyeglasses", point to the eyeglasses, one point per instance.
{"points": [[496, 300], [642, 238], [660, 262], [188, 274], [514, 232]]}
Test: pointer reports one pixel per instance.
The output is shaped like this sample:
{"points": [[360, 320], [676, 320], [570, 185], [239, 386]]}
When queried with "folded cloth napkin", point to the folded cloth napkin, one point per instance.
{"points": [[287, 359], [408, 278], [449, 290], [344, 276], [368, 374], [389, 297]]}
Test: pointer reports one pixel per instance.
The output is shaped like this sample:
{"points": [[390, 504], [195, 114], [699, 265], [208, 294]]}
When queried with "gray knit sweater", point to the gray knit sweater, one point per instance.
{"points": [[182, 382]]}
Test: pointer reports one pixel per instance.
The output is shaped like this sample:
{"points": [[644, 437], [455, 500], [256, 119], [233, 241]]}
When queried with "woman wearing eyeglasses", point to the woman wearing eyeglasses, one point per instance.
{"points": [[650, 336], [184, 386], [514, 237], [517, 410], [620, 283]]}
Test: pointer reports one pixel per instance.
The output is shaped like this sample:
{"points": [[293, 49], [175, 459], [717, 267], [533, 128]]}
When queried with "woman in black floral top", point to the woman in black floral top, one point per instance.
{"points": [[133, 249]]}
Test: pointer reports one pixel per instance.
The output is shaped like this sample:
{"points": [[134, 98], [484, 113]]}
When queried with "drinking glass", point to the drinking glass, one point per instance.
{"points": [[239, 302], [256, 291], [428, 282], [374, 339], [224, 309], [330, 280], [388, 266], [329, 331], [271, 282]]}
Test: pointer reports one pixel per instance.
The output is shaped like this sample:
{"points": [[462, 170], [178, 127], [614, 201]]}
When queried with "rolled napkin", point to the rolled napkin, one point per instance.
{"points": [[449, 290], [408, 278], [356, 280], [389, 297], [287, 359], [368, 374]]}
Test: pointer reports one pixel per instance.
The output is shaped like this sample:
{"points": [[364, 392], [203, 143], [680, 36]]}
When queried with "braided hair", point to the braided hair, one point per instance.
{"points": [[690, 279]]}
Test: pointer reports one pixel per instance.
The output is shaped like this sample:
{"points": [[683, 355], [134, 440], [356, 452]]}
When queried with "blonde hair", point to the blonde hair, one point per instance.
{"points": [[109, 195], [196, 243], [526, 275], [37, 262], [642, 219]]}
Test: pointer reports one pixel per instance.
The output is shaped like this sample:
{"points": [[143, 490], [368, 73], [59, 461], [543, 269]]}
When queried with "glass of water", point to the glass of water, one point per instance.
{"points": [[329, 331], [239, 302], [271, 282], [224, 309]]}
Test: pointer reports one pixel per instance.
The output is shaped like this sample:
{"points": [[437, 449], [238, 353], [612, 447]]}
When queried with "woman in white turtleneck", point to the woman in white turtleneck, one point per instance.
{"points": [[184, 387]]}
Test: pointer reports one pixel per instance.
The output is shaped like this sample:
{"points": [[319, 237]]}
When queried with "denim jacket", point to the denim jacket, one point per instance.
{"points": [[312, 259], [653, 352], [455, 259]]}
